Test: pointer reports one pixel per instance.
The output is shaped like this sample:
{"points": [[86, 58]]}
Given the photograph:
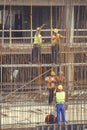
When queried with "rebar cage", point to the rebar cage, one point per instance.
{"points": [[24, 94]]}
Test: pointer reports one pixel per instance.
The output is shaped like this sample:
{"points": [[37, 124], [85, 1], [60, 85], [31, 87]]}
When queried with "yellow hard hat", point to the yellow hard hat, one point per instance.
{"points": [[52, 73], [55, 30], [60, 87]]}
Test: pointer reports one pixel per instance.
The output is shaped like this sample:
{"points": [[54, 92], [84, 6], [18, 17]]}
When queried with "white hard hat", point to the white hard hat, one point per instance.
{"points": [[38, 29]]}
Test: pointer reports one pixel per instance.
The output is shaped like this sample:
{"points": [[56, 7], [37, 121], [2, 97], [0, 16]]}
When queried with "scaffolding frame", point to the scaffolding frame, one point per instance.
{"points": [[24, 93]]}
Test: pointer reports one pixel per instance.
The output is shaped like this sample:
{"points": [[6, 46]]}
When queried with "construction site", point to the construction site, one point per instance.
{"points": [[23, 90]]}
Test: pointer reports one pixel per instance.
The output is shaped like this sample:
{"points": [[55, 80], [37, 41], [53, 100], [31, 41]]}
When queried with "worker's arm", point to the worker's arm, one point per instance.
{"points": [[42, 26], [61, 36]]}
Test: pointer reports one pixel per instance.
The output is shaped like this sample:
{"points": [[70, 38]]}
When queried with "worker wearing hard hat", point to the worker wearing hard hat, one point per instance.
{"points": [[60, 101], [55, 40], [61, 78], [51, 81], [36, 51]]}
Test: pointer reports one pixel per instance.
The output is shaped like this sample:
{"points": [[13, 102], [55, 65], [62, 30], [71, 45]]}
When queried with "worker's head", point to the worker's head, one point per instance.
{"points": [[53, 73], [55, 30], [61, 72], [38, 29], [60, 87]]}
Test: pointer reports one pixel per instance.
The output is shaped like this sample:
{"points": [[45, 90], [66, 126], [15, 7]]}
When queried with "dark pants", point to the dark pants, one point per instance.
{"points": [[51, 95], [55, 54], [36, 52]]}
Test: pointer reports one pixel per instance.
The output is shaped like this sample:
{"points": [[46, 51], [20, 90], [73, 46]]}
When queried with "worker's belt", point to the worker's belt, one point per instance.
{"points": [[55, 44], [60, 102], [36, 45]]}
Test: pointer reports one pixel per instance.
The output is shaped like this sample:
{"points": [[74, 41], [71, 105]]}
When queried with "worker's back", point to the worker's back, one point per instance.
{"points": [[50, 119], [60, 80]]}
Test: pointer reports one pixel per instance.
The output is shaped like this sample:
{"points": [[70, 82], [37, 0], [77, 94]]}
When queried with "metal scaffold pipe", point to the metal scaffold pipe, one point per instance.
{"points": [[51, 22], [31, 20], [10, 20], [3, 23]]}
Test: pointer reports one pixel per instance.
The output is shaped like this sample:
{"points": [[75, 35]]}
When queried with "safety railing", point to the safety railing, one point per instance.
{"points": [[26, 36], [63, 127]]}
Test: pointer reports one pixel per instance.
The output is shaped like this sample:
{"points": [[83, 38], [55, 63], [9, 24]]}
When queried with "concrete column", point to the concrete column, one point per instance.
{"points": [[69, 24], [71, 69], [69, 40]]}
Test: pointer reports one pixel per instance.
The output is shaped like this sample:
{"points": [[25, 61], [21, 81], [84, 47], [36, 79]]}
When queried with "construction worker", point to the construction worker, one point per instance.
{"points": [[61, 79], [50, 118], [51, 81], [60, 101], [55, 45], [36, 51]]}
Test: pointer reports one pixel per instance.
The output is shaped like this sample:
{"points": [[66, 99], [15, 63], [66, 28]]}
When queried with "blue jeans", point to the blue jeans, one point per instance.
{"points": [[60, 108]]}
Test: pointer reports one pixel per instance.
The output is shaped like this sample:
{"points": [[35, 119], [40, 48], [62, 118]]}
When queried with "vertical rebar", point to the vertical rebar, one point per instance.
{"points": [[10, 21], [3, 24], [51, 16], [0, 116], [31, 21]]}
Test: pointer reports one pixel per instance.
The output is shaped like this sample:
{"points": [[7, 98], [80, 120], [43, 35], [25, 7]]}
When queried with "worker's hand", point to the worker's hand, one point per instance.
{"points": [[54, 91], [43, 41], [64, 36], [54, 37]]}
